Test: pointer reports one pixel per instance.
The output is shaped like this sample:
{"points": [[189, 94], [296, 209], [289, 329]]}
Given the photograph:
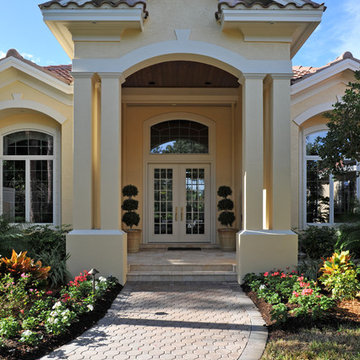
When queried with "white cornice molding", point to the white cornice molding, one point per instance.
{"points": [[133, 15], [292, 26], [36, 73], [324, 74], [84, 24]]}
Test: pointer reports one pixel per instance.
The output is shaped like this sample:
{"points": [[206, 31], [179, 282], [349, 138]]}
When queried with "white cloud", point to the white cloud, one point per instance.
{"points": [[347, 32], [2, 54], [30, 57]]}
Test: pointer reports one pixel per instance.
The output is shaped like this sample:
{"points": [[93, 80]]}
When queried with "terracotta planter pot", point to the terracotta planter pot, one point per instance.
{"points": [[227, 237], [133, 240]]}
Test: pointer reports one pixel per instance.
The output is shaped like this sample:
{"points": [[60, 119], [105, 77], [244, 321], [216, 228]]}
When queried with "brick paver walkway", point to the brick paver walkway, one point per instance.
{"points": [[170, 320]]}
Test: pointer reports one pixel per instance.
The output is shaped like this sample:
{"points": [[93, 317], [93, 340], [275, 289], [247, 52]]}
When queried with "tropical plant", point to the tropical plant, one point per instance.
{"points": [[339, 275], [342, 142], [21, 264], [131, 217], [225, 205], [349, 238]]}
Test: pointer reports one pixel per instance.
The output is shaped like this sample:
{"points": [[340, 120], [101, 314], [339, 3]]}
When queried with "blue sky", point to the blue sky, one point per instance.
{"points": [[21, 27]]}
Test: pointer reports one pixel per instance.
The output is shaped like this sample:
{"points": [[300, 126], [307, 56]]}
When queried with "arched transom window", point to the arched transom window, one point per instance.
{"points": [[179, 137], [329, 199], [27, 169]]}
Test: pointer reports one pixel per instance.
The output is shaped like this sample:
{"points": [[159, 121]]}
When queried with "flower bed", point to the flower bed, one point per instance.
{"points": [[35, 319], [291, 295]]}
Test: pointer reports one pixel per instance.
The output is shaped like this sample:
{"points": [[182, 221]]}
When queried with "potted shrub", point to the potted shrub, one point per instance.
{"points": [[131, 217], [227, 235]]}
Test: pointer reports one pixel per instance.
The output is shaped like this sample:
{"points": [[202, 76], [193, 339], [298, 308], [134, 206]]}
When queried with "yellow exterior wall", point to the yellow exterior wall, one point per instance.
{"points": [[168, 15], [133, 151], [325, 92], [31, 89]]}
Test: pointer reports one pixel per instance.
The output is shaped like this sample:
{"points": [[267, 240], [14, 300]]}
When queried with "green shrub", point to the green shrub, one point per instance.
{"points": [[9, 327], [131, 217], [31, 338], [317, 242], [226, 217], [349, 238]]}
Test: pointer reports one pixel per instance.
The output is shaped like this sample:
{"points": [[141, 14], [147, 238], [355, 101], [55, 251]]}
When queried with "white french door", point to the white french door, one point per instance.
{"points": [[179, 203]]}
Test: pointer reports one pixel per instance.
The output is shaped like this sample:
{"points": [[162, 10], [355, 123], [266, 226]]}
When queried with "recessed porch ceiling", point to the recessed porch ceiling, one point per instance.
{"points": [[182, 74]]}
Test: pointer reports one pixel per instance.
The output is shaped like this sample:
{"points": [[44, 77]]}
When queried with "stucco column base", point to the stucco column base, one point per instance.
{"points": [[105, 250], [264, 250]]}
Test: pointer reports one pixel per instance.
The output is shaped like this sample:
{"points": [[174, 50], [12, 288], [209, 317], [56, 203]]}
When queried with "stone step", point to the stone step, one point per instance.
{"points": [[181, 276], [178, 245], [182, 267]]}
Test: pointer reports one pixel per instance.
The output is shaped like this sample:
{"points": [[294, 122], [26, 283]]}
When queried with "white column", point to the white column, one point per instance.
{"points": [[110, 151], [281, 152], [83, 116], [252, 151]]}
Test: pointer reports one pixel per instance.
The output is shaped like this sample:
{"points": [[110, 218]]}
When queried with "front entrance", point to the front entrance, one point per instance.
{"points": [[179, 203]]}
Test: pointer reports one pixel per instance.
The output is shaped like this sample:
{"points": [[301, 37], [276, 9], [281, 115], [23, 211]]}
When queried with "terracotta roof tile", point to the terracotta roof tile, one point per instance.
{"points": [[61, 72], [96, 3], [302, 72], [264, 3]]}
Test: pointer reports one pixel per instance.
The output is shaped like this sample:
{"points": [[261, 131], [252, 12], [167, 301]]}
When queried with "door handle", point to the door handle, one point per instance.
{"points": [[182, 213], [176, 214]]}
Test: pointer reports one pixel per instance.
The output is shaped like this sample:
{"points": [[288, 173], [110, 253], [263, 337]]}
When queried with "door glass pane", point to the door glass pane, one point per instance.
{"points": [[41, 187], [195, 201], [345, 194], [179, 137], [14, 190], [163, 205], [317, 194]]}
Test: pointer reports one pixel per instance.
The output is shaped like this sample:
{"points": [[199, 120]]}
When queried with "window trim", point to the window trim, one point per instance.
{"points": [[304, 159], [56, 167]]}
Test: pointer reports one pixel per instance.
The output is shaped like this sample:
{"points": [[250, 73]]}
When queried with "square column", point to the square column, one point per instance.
{"points": [[110, 151], [259, 250], [83, 118], [106, 248], [280, 206], [252, 151]]}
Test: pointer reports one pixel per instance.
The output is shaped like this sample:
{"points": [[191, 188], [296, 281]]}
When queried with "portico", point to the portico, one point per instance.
{"points": [[248, 123]]}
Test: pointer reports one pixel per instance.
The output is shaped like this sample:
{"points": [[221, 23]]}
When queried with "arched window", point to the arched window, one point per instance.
{"points": [[27, 169], [179, 137], [329, 199]]}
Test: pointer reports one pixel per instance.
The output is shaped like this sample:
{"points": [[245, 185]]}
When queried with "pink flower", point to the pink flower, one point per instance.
{"points": [[31, 290], [307, 292], [304, 285], [22, 311], [275, 273], [295, 293], [300, 278], [266, 274], [290, 276], [49, 292], [282, 276]]}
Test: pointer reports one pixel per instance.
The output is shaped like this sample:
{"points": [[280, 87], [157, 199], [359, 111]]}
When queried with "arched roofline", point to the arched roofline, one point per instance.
{"points": [[33, 105], [186, 50], [313, 111]]}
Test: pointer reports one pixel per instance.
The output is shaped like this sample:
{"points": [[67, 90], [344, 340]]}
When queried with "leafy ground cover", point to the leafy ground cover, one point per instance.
{"points": [[35, 319], [310, 319]]}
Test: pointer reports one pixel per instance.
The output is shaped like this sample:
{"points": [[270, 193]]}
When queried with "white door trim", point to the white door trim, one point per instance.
{"points": [[205, 159]]}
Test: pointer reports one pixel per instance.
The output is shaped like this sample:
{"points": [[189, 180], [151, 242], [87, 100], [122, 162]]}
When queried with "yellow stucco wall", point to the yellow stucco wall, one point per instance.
{"points": [[168, 15], [326, 92], [134, 118], [29, 90]]}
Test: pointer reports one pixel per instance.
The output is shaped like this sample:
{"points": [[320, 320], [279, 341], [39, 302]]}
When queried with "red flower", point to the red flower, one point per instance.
{"points": [[282, 276], [304, 285], [266, 274], [300, 278], [49, 292], [22, 311], [307, 292], [295, 293]]}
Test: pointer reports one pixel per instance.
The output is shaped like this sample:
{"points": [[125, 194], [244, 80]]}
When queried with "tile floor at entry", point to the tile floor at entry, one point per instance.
{"points": [[173, 320]]}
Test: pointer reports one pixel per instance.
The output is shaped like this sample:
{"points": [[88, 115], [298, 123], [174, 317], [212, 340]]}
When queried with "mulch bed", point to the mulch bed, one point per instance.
{"points": [[346, 313], [15, 350]]}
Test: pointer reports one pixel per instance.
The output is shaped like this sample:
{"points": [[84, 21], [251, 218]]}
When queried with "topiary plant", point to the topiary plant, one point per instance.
{"points": [[226, 217], [131, 217]]}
